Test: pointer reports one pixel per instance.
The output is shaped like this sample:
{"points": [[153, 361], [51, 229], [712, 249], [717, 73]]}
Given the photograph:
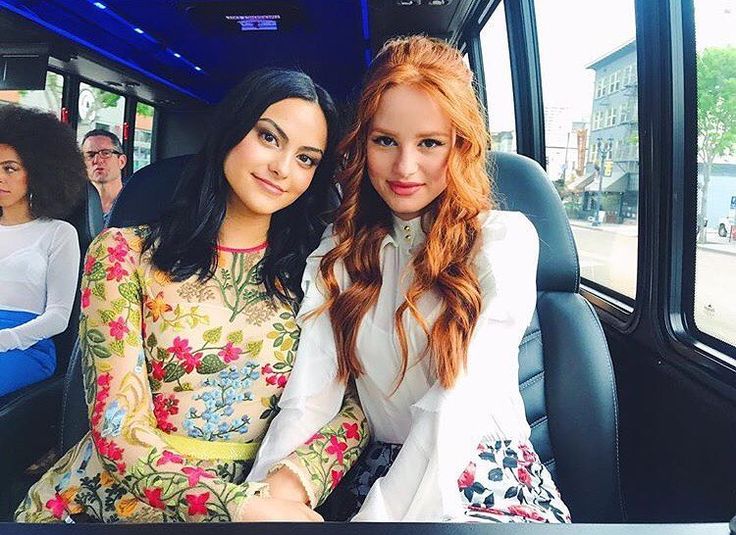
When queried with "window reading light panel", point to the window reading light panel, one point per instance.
{"points": [[255, 23]]}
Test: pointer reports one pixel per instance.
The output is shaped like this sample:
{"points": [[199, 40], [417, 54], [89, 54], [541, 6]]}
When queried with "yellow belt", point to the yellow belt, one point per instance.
{"points": [[212, 451]]}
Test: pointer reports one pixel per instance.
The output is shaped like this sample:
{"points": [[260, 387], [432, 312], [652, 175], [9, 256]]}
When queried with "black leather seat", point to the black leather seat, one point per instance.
{"points": [[565, 371], [29, 415]]}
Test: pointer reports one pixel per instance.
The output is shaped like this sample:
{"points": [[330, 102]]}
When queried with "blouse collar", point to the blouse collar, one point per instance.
{"points": [[405, 235]]}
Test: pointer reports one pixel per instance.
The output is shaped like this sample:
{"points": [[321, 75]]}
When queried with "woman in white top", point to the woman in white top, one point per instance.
{"points": [[42, 177], [421, 292]]}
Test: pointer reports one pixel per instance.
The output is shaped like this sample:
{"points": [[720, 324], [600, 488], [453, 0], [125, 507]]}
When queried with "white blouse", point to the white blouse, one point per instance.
{"points": [[39, 267], [440, 428]]}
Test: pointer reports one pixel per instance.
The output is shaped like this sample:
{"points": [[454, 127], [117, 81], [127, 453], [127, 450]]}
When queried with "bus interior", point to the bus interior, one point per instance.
{"points": [[610, 98]]}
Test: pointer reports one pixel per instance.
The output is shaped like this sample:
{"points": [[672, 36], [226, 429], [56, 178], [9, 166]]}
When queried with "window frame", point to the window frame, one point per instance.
{"points": [[682, 321]]}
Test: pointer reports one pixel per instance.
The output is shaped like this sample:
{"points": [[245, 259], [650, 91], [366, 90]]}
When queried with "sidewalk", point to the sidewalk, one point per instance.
{"points": [[630, 230], [715, 243]]}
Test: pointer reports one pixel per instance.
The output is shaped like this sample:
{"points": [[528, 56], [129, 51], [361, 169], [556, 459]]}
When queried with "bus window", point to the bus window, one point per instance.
{"points": [[497, 70], [143, 135], [588, 61], [48, 99], [100, 109], [715, 256]]}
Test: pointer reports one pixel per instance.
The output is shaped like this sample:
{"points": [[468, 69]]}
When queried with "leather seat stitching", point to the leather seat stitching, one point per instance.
{"points": [[612, 383], [538, 421], [532, 381]]}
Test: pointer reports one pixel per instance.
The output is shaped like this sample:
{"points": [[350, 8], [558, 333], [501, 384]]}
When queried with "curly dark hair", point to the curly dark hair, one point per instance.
{"points": [[49, 152]]}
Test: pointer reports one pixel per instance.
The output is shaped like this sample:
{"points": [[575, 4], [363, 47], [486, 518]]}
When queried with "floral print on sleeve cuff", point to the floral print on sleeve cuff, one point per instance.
{"points": [[324, 459]]}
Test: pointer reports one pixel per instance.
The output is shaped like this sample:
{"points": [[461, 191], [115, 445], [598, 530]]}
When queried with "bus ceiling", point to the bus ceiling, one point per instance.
{"points": [[184, 53]]}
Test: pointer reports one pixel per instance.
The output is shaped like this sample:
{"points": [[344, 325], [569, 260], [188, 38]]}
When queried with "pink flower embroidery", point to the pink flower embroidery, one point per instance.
{"points": [[180, 347], [351, 431], [116, 272], [163, 407], [524, 477], [169, 457], [336, 477], [153, 495], [86, 293], [337, 448], [197, 503], [118, 252], [118, 329], [230, 353], [57, 505], [157, 370], [190, 361], [467, 478], [193, 474], [266, 369], [525, 511], [89, 264]]}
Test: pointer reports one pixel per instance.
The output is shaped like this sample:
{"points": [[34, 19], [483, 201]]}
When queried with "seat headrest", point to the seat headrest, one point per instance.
{"points": [[520, 184], [87, 217], [147, 192]]}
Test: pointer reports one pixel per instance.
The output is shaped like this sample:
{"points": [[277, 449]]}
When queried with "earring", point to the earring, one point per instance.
{"points": [[30, 201]]}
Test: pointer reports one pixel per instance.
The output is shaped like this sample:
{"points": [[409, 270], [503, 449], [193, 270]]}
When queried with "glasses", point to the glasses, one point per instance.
{"points": [[104, 154]]}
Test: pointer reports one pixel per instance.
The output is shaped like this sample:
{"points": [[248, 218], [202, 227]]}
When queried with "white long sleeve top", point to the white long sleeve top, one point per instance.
{"points": [[439, 428], [39, 267]]}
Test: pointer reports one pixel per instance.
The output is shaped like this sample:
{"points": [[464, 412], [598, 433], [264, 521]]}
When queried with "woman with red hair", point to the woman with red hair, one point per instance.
{"points": [[421, 292]]}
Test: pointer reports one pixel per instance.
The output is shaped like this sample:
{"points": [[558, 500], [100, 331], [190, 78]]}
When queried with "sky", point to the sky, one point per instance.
{"points": [[573, 34]]}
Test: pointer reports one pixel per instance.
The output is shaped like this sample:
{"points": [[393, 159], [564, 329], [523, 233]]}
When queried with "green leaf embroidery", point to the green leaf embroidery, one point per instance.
{"points": [[97, 273], [151, 341], [100, 351], [118, 305], [98, 290], [107, 315], [254, 348], [172, 372], [129, 290], [211, 364], [212, 335], [95, 336], [235, 337], [117, 347]]}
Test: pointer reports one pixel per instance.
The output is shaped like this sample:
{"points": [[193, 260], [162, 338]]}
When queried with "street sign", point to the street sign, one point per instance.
{"points": [[608, 168]]}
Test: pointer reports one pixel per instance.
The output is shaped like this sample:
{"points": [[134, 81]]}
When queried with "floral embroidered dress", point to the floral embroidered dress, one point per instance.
{"points": [[182, 381]]}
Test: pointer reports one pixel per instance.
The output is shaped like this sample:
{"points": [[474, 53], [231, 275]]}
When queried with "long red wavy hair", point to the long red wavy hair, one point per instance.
{"points": [[443, 264]]}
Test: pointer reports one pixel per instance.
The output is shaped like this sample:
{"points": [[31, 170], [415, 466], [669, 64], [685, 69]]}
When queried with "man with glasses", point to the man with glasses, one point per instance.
{"points": [[103, 154]]}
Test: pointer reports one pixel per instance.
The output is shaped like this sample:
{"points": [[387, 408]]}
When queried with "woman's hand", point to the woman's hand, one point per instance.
{"points": [[258, 509], [284, 484]]}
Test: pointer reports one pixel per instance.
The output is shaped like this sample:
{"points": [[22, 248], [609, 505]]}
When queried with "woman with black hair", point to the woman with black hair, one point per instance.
{"points": [[188, 333], [42, 177]]}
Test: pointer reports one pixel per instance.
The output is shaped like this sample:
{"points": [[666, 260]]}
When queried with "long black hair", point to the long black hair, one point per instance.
{"points": [[184, 240]]}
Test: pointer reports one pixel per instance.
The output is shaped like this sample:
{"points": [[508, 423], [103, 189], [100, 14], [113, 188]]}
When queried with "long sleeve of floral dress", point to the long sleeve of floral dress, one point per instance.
{"points": [[129, 420]]}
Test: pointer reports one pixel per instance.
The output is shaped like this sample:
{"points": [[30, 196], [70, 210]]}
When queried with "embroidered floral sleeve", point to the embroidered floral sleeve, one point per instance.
{"points": [[122, 411], [324, 459]]}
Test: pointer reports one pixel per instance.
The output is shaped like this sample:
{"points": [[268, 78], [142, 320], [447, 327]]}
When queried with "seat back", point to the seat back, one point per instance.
{"points": [[565, 371], [88, 219]]}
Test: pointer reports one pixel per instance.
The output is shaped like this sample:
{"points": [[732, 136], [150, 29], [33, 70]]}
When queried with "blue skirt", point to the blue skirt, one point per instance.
{"points": [[23, 367]]}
